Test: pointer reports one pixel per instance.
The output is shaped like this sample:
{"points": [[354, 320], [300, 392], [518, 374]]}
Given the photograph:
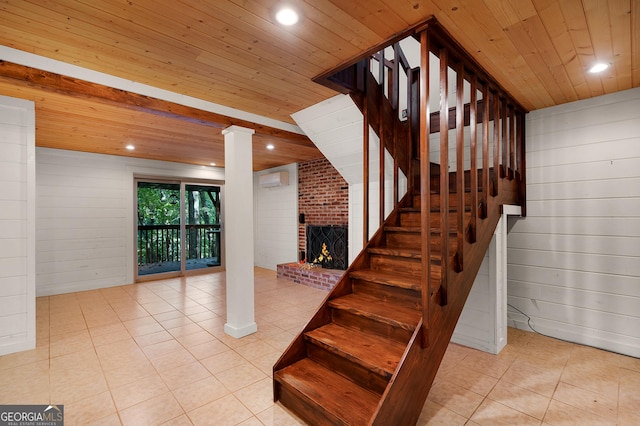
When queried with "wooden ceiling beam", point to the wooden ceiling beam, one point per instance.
{"points": [[76, 87]]}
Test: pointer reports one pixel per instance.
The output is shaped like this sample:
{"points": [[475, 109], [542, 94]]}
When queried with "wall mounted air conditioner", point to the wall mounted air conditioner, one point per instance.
{"points": [[274, 179]]}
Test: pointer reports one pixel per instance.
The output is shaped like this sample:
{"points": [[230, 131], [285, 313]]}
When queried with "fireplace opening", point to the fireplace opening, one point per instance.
{"points": [[335, 239]]}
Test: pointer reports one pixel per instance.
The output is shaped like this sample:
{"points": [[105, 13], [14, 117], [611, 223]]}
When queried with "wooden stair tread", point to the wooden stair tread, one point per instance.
{"points": [[393, 280], [336, 394], [396, 280], [393, 313], [375, 353]]}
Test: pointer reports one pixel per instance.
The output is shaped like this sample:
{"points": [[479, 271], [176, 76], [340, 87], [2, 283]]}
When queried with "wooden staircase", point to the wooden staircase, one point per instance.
{"points": [[370, 353]]}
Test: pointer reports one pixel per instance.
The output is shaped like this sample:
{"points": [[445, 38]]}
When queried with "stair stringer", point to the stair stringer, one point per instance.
{"points": [[407, 391]]}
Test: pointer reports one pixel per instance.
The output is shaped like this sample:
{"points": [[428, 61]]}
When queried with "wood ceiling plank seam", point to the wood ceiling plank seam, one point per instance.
{"points": [[635, 44], [553, 20], [204, 40], [143, 131], [54, 46], [378, 16], [504, 12], [307, 30], [578, 30], [620, 15], [525, 9], [267, 95], [92, 140], [545, 50], [598, 22], [221, 66], [511, 71], [153, 20], [104, 27], [262, 29], [62, 29], [412, 11], [326, 13], [134, 124], [501, 59]]}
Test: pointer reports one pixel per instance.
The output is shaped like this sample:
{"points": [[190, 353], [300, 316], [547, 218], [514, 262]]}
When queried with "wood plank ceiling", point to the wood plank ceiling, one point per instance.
{"points": [[234, 54]]}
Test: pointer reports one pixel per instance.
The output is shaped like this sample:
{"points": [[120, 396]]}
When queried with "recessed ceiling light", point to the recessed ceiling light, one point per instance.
{"points": [[212, 164], [270, 147], [599, 67], [287, 16], [130, 147]]}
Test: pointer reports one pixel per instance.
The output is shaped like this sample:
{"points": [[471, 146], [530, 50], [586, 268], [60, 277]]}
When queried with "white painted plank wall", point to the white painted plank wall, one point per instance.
{"points": [[17, 230], [474, 325], [276, 220], [84, 218], [574, 261]]}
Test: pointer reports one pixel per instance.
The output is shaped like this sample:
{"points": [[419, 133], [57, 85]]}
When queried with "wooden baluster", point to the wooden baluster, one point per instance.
{"points": [[381, 174], [365, 169], [395, 81], [381, 134], [395, 102], [512, 140], [505, 140], [444, 172], [473, 127], [381, 78], [459, 262], [425, 190], [496, 143], [486, 111]]}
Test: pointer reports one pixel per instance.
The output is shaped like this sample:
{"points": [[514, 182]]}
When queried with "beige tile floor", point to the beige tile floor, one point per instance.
{"points": [[155, 353]]}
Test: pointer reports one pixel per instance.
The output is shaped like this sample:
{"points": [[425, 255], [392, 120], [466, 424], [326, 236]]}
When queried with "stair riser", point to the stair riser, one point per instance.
{"points": [[354, 372], [412, 219], [306, 409], [407, 240], [386, 292], [436, 202], [358, 322], [398, 265]]}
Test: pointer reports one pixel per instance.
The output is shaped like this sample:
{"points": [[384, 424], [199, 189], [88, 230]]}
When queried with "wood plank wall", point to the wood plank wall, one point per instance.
{"points": [[574, 261], [84, 219], [17, 228], [276, 220]]}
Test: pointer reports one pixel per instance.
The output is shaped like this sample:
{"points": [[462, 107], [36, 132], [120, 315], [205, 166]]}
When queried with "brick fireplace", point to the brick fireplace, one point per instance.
{"points": [[323, 203], [323, 199]]}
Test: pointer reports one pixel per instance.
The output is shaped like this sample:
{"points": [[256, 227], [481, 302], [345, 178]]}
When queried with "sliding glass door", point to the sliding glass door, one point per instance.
{"points": [[202, 214], [178, 227]]}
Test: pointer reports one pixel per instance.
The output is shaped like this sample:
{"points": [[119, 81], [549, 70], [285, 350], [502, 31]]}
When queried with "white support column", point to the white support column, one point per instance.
{"points": [[239, 231]]}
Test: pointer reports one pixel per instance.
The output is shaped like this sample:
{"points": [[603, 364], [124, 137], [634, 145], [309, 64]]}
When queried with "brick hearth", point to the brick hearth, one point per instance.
{"points": [[324, 279]]}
